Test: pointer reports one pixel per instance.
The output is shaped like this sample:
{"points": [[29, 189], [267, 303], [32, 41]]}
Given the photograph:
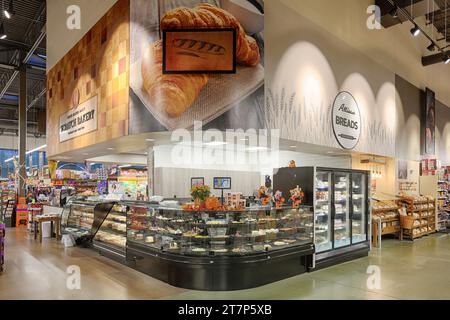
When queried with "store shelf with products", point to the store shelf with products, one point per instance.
{"points": [[385, 219], [420, 218], [2, 244], [339, 198], [443, 203], [219, 250]]}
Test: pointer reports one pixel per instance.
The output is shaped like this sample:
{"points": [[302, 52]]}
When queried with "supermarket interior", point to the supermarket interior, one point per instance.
{"points": [[207, 149]]}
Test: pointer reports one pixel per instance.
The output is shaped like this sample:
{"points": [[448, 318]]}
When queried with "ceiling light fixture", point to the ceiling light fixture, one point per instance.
{"points": [[415, 31], [2, 32], [10, 10], [150, 140], [215, 143], [37, 149], [394, 12], [446, 59]]}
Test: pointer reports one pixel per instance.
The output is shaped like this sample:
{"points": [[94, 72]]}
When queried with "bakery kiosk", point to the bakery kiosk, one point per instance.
{"points": [[201, 250]]}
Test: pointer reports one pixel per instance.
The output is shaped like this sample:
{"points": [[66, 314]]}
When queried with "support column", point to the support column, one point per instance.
{"points": [[22, 130], [151, 171]]}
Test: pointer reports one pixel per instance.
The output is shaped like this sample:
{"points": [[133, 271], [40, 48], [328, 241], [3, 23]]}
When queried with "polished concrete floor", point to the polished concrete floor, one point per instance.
{"points": [[418, 270]]}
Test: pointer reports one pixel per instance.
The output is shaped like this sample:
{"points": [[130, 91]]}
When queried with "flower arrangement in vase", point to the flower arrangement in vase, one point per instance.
{"points": [[200, 193], [297, 196]]}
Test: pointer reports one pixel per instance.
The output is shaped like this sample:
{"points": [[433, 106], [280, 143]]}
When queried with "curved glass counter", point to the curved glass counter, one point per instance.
{"points": [[218, 233]]}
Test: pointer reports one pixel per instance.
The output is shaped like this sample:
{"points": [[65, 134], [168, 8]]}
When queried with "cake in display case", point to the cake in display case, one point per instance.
{"points": [[219, 250], [111, 238]]}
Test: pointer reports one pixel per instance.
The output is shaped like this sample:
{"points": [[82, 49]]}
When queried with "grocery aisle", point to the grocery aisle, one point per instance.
{"points": [[408, 271]]}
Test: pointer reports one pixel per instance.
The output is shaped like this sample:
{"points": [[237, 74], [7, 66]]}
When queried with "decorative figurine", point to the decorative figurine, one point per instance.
{"points": [[297, 196], [279, 200]]}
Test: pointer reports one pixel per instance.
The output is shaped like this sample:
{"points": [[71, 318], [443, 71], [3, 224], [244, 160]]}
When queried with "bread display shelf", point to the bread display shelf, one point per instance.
{"points": [[411, 229]]}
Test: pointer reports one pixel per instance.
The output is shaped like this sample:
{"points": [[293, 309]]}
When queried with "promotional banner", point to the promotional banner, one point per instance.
{"points": [[187, 66], [429, 122]]}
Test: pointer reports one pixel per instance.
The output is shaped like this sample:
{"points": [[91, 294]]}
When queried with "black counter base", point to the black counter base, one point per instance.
{"points": [[332, 258], [110, 251], [220, 273]]}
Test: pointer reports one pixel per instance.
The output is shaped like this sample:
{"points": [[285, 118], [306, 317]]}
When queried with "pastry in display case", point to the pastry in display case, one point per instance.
{"points": [[78, 217], [204, 243], [111, 237], [211, 233], [82, 218]]}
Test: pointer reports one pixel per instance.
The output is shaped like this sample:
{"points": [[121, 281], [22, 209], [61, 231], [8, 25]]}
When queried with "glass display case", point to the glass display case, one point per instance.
{"points": [[111, 238], [340, 201], [212, 233], [219, 250], [323, 212], [78, 216]]}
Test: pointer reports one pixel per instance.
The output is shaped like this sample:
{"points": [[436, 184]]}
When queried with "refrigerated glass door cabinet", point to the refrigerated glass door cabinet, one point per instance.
{"points": [[341, 210]]}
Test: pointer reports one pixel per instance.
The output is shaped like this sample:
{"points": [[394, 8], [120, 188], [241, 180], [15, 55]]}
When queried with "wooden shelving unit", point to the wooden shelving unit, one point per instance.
{"points": [[387, 212], [421, 219]]}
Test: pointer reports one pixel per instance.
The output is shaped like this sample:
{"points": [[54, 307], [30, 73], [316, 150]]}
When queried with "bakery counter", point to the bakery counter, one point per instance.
{"points": [[220, 273], [219, 250]]}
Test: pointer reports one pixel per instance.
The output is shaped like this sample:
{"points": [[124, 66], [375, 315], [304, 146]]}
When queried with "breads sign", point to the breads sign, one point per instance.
{"points": [[78, 121], [199, 50], [346, 119]]}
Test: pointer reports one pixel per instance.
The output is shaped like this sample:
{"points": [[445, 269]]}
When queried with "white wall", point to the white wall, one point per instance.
{"points": [[12, 143], [394, 48], [307, 66], [59, 38], [173, 175]]}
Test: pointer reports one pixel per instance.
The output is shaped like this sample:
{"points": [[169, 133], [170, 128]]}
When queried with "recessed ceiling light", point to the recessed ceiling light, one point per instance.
{"points": [[293, 147], [215, 143], [110, 148], [150, 140], [257, 148]]}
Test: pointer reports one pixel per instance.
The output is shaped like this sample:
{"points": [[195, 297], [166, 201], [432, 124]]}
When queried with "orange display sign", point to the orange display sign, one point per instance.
{"points": [[199, 51], [21, 215]]}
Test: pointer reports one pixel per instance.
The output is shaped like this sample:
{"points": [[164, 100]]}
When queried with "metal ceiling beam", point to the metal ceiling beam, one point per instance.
{"points": [[433, 59], [25, 60]]}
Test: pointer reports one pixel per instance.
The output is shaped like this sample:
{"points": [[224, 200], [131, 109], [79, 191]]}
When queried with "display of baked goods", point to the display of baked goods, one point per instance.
{"points": [[213, 232]]}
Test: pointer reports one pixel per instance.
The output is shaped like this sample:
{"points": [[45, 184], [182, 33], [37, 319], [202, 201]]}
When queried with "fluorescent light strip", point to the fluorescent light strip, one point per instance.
{"points": [[37, 149], [28, 152]]}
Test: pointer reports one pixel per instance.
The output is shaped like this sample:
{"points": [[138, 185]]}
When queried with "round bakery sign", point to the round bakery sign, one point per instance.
{"points": [[346, 120]]}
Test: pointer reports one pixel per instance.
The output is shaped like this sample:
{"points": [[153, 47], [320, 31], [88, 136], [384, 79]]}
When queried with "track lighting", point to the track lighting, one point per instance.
{"points": [[394, 12], [415, 31], [446, 59], [2, 32], [10, 10], [431, 47]]}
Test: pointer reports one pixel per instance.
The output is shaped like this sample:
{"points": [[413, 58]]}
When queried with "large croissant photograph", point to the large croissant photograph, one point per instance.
{"points": [[177, 99]]}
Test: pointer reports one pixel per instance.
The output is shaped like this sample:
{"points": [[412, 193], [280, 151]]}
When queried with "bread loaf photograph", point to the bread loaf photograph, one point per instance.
{"points": [[196, 61]]}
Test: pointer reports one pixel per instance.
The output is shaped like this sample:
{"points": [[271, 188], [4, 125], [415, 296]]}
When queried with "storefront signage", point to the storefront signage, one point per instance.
{"points": [[346, 120], [78, 121]]}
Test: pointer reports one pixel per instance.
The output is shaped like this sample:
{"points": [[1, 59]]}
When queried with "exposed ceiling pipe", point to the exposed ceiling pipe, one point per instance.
{"points": [[32, 103], [27, 57]]}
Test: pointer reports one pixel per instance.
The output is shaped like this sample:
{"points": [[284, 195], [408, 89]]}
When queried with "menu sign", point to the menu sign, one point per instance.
{"points": [[346, 119], [78, 121]]}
